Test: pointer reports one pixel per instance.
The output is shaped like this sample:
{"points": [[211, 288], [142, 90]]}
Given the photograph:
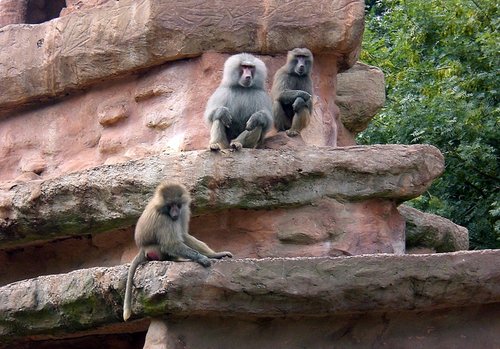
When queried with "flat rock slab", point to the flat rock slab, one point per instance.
{"points": [[58, 305], [113, 196], [85, 47]]}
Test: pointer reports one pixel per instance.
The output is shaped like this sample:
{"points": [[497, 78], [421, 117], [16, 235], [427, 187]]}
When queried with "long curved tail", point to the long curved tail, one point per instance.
{"points": [[127, 303]]}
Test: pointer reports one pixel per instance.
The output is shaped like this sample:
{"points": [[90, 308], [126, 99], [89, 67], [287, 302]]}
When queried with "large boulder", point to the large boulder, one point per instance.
{"points": [[425, 230], [360, 95]]}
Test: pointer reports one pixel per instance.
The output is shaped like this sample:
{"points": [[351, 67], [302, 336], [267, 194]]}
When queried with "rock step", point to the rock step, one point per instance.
{"points": [[272, 287], [113, 196]]}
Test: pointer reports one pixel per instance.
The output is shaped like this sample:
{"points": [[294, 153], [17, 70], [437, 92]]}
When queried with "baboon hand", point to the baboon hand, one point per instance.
{"points": [[223, 254], [256, 120], [205, 262], [222, 114], [298, 104], [304, 95]]}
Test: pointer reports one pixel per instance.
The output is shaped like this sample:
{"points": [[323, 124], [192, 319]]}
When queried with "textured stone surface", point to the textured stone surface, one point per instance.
{"points": [[12, 11], [325, 227], [458, 328], [113, 196], [142, 115], [274, 287], [85, 47], [360, 95], [432, 231]]}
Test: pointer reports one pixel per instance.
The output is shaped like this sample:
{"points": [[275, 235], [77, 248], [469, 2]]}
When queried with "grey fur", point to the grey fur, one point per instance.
{"points": [[239, 112]]}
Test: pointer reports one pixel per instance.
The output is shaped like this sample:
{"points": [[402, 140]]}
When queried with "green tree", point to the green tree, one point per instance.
{"points": [[440, 60]]}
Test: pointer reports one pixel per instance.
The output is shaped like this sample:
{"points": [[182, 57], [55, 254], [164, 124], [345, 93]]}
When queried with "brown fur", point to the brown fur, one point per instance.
{"points": [[162, 231], [292, 92]]}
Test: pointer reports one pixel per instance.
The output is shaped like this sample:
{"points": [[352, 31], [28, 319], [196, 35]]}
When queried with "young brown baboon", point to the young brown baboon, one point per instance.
{"points": [[239, 111], [292, 92], [161, 233]]}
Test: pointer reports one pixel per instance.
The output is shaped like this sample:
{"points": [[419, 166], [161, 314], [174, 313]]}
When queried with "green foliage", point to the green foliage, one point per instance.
{"points": [[440, 59]]}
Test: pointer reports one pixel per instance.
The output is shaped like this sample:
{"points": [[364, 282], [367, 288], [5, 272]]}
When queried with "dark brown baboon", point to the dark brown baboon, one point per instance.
{"points": [[292, 92], [161, 233]]}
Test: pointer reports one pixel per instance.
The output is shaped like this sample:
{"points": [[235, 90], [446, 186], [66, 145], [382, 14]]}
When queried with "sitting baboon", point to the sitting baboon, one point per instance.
{"points": [[161, 233], [239, 111], [292, 92]]}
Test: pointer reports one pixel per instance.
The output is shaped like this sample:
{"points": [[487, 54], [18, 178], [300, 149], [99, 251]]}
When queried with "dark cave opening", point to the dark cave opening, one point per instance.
{"points": [[39, 11]]}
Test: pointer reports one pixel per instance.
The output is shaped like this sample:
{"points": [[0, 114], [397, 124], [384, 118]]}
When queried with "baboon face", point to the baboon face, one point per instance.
{"points": [[247, 72], [173, 199], [300, 61], [172, 209], [244, 70]]}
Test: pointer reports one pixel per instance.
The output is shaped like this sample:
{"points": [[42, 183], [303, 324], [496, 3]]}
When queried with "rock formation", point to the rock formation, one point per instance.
{"points": [[103, 99]]}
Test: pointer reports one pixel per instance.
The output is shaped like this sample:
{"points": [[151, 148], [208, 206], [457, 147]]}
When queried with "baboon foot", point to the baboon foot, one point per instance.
{"points": [[215, 147], [220, 255], [236, 145], [292, 133]]}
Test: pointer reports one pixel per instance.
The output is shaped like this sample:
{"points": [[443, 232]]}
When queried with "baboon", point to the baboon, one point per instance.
{"points": [[292, 92], [161, 233], [240, 110]]}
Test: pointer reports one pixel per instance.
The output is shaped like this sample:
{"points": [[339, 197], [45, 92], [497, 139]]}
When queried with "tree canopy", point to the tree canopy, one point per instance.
{"points": [[441, 63]]}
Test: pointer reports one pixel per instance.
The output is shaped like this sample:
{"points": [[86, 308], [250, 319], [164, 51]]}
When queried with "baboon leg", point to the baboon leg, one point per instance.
{"points": [[182, 250], [203, 248], [247, 139], [300, 121], [281, 121], [218, 138]]}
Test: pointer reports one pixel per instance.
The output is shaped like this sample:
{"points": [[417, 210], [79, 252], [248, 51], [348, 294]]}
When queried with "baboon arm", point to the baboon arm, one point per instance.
{"points": [[289, 96], [182, 250], [203, 248], [218, 138], [198, 245]]}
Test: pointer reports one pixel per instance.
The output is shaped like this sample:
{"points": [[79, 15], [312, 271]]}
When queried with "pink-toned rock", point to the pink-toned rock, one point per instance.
{"points": [[157, 335], [87, 47], [324, 228], [83, 5], [155, 111], [112, 112], [12, 12], [113, 195]]}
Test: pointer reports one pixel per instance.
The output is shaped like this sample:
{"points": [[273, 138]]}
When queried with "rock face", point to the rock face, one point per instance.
{"points": [[144, 115], [114, 195], [12, 12], [142, 33], [104, 99]]}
